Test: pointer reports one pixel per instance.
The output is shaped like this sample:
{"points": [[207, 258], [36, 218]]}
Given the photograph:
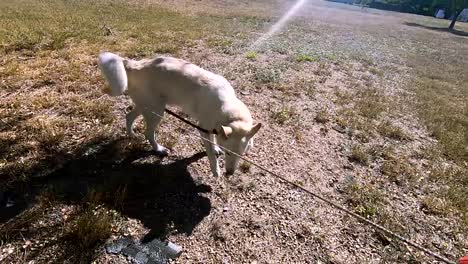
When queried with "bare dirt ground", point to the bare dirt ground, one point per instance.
{"points": [[338, 91]]}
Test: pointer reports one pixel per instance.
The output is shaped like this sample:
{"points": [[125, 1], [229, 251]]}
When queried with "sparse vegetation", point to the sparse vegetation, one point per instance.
{"points": [[322, 116], [283, 115], [90, 227], [365, 199], [441, 94], [245, 166], [384, 90], [399, 170], [389, 130], [434, 205], [376, 71], [268, 76], [371, 103], [251, 55], [307, 58], [358, 154]]}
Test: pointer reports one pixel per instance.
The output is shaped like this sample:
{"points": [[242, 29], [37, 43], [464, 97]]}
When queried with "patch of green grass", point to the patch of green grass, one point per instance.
{"points": [[219, 42], [365, 199], [361, 126], [307, 58], [9, 69], [251, 55], [283, 115], [269, 76]]}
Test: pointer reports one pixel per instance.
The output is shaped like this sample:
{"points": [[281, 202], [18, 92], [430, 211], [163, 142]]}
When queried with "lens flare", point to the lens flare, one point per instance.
{"points": [[278, 25]]}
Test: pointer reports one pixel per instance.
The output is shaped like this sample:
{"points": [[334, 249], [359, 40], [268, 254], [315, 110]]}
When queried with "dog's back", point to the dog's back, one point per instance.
{"points": [[179, 83]]}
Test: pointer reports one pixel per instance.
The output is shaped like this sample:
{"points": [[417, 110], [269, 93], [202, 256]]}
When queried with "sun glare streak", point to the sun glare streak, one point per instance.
{"points": [[278, 25]]}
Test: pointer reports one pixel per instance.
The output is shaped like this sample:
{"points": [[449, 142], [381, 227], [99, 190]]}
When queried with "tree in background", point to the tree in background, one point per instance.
{"points": [[457, 7]]}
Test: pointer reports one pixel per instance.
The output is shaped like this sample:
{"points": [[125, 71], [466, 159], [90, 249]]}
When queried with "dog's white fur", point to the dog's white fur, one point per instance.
{"points": [[154, 83]]}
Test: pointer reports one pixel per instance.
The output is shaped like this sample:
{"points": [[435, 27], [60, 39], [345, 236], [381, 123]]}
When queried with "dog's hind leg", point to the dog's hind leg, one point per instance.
{"points": [[152, 118], [130, 120], [211, 153]]}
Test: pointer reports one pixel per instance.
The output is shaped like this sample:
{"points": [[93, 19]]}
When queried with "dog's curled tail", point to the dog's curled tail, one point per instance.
{"points": [[112, 67]]}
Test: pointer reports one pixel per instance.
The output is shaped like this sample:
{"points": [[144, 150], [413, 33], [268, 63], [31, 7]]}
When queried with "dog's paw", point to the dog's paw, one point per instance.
{"points": [[161, 151], [216, 172], [217, 150]]}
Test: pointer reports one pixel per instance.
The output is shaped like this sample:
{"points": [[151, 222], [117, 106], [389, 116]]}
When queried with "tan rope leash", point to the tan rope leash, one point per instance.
{"points": [[333, 204]]}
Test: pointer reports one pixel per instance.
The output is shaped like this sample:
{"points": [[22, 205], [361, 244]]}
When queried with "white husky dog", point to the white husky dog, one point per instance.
{"points": [[154, 83]]}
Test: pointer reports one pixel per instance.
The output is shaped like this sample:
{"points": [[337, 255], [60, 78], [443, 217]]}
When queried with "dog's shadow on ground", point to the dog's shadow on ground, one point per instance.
{"points": [[439, 29], [164, 197]]}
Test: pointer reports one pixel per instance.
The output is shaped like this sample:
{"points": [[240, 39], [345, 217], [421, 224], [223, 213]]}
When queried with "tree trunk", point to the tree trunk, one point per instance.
{"points": [[457, 13]]}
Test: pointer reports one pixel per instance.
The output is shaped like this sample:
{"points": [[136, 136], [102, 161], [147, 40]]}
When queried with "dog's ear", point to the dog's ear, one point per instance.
{"points": [[224, 131], [254, 130]]}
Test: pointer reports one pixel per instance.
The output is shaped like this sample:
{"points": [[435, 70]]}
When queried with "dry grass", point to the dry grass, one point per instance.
{"points": [[359, 155], [434, 205], [399, 170], [283, 115], [387, 129], [322, 116], [442, 95], [366, 200], [370, 103], [91, 227], [245, 166], [374, 76]]}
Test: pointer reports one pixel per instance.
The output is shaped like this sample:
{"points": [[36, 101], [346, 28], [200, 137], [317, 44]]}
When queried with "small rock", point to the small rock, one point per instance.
{"points": [[339, 129], [118, 245]]}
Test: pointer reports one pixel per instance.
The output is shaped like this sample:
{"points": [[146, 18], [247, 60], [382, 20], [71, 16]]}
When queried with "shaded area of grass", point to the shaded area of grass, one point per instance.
{"points": [[440, 29], [164, 197]]}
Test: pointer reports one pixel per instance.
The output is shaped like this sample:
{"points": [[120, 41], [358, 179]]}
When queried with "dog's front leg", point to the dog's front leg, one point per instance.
{"points": [[216, 148], [211, 153]]}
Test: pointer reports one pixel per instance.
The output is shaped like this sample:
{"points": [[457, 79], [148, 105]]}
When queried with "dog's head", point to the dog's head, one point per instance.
{"points": [[236, 137]]}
